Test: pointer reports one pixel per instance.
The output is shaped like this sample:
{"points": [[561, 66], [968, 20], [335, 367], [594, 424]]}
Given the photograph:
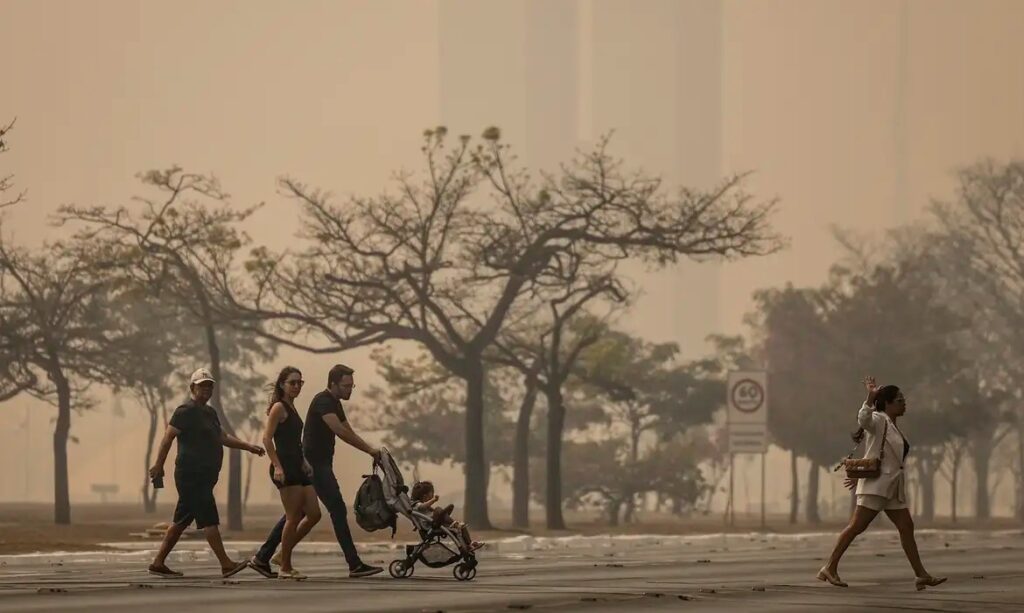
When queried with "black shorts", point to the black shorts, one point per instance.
{"points": [[195, 500], [293, 474]]}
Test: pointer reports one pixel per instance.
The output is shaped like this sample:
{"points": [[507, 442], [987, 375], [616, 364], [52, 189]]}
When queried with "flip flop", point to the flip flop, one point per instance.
{"points": [[237, 568], [163, 571]]}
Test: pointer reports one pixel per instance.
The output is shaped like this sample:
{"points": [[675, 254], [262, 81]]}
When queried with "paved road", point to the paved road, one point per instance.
{"points": [[986, 574]]}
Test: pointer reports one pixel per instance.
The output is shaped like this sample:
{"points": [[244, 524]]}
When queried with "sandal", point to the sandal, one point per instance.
{"points": [[292, 574], [231, 571], [163, 571], [922, 582], [825, 575]]}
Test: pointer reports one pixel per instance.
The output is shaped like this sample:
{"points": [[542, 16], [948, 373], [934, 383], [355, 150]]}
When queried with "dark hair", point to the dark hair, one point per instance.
{"points": [[422, 491], [277, 389], [884, 395], [337, 372]]}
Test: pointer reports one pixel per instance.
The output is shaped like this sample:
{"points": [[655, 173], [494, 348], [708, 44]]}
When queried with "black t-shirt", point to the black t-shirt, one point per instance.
{"points": [[317, 437], [199, 446]]}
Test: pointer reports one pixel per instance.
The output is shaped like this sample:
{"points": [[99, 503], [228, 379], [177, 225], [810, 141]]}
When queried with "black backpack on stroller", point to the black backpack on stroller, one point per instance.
{"points": [[371, 508]]}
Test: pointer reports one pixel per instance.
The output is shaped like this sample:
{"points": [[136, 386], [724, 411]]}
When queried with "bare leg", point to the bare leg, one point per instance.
{"points": [[859, 522], [905, 524], [217, 545], [293, 500], [311, 513], [174, 532]]}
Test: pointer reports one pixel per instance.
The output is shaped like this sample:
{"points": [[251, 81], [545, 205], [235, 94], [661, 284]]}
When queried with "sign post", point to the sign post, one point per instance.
{"points": [[747, 422]]}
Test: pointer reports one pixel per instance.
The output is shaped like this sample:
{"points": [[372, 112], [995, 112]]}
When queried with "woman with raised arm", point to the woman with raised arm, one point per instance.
{"points": [[886, 492]]}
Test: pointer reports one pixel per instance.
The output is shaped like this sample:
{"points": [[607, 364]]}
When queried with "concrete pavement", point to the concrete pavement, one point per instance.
{"points": [[986, 573]]}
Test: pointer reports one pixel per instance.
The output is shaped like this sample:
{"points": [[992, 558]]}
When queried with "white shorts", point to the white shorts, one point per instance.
{"points": [[879, 503]]}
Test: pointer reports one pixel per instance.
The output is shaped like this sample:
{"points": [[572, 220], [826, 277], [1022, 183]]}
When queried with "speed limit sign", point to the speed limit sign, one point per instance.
{"points": [[747, 395], [747, 399]]}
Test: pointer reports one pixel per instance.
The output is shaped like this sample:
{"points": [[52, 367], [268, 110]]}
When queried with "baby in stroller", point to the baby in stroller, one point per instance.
{"points": [[442, 542], [423, 500]]}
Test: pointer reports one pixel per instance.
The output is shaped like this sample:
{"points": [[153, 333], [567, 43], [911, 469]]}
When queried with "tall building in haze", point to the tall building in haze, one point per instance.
{"points": [[557, 75]]}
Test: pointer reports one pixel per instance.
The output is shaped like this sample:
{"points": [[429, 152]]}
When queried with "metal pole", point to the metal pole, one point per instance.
{"points": [[28, 449], [732, 482], [762, 491]]}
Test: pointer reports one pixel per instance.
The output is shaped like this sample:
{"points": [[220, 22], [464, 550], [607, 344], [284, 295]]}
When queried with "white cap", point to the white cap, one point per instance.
{"points": [[202, 375]]}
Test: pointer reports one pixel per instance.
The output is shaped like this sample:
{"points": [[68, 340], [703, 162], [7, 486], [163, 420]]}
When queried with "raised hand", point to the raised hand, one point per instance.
{"points": [[872, 387]]}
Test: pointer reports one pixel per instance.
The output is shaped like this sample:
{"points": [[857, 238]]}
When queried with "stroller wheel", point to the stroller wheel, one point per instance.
{"points": [[464, 572], [400, 570]]}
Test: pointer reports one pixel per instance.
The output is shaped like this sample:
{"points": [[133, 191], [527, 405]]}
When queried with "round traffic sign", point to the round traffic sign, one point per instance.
{"points": [[747, 396]]}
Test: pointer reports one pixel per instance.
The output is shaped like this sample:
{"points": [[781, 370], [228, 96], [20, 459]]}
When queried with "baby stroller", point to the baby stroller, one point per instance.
{"points": [[439, 546]]}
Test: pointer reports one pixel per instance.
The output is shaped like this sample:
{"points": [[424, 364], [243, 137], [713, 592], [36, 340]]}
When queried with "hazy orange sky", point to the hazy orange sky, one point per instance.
{"points": [[850, 112]]}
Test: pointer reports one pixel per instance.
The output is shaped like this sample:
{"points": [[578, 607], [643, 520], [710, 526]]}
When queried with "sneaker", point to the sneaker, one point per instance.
{"points": [[276, 560], [163, 571], [292, 575], [364, 570], [262, 568]]}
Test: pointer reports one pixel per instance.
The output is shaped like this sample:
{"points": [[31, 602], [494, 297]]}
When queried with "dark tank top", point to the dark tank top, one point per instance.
{"points": [[288, 436]]}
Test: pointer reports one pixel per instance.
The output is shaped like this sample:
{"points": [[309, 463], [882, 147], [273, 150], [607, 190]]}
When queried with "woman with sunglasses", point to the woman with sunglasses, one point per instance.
{"points": [[289, 470]]}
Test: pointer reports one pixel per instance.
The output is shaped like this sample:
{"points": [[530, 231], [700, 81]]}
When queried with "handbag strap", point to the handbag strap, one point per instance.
{"points": [[885, 431]]}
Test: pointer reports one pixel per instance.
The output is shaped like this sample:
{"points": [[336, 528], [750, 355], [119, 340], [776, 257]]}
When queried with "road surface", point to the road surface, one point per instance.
{"points": [[986, 572]]}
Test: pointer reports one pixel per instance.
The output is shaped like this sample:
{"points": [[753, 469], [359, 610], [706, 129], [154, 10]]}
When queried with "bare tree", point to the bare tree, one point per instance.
{"points": [[429, 265], [57, 315], [149, 377], [182, 245], [983, 227], [544, 345], [7, 181], [926, 462]]}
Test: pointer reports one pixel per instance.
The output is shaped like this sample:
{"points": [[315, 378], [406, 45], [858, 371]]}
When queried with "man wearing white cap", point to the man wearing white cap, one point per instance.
{"points": [[201, 442]]}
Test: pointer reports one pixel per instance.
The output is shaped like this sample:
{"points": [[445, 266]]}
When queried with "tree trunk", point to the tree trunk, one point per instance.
{"points": [[613, 508], [952, 485], [61, 432], [521, 459], [234, 455], [556, 424], [794, 497], [812, 494], [629, 515], [148, 496], [1020, 468], [981, 452], [476, 460], [926, 476], [248, 481], [634, 440]]}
